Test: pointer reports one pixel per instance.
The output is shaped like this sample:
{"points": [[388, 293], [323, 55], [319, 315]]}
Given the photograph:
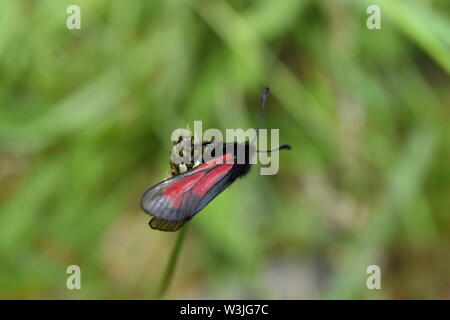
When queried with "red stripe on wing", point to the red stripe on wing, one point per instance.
{"points": [[200, 182], [226, 158], [175, 192], [211, 179]]}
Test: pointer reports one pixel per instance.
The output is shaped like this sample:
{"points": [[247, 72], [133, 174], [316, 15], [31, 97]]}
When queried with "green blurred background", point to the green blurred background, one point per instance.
{"points": [[85, 123]]}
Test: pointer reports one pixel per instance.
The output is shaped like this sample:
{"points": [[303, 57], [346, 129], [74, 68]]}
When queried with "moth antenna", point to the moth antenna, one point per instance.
{"points": [[261, 111], [264, 96], [283, 146]]}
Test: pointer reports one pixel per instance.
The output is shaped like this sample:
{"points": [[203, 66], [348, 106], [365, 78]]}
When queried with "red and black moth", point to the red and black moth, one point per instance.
{"points": [[177, 199]]}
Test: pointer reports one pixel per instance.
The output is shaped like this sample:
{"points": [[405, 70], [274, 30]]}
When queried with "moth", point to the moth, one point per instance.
{"points": [[177, 199]]}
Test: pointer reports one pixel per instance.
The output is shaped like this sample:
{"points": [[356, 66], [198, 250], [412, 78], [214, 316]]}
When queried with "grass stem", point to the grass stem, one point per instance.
{"points": [[171, 264]]}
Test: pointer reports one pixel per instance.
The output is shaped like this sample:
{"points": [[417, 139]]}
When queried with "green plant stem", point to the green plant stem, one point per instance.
{"points": [[171, 264]]}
